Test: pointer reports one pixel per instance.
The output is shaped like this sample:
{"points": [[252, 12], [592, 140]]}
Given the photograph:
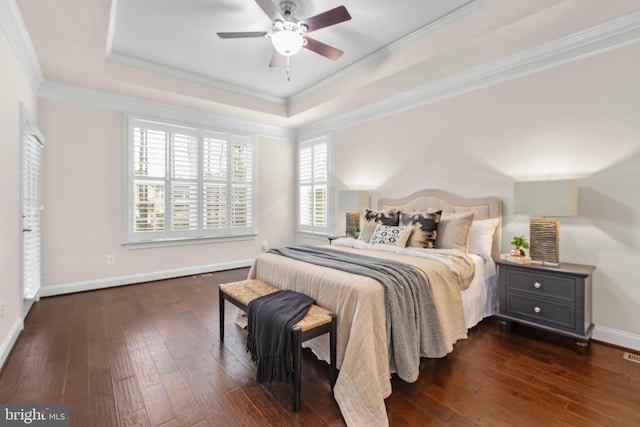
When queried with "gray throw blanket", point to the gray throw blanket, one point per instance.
{"points": [[270, 319], [411, 316]]}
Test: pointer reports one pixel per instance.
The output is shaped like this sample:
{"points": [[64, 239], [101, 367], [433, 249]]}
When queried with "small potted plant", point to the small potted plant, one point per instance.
{"points": [[519, 242], [356, 231]]}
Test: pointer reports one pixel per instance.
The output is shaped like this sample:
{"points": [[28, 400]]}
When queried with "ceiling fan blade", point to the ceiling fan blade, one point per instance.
{"points": [[324, 19], [323, 49], [277, 60], [242, 35], [270, 9]]}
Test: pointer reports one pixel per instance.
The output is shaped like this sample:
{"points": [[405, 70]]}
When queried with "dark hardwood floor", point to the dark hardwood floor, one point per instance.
{"points": [[150, 354]]}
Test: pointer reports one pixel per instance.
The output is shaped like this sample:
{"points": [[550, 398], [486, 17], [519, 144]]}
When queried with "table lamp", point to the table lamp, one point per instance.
{"points": [[545, 200], [353, 201]]}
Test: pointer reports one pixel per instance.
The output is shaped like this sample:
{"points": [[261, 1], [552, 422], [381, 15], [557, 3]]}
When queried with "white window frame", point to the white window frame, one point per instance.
{"points": [[200, 234], [314, 229]]}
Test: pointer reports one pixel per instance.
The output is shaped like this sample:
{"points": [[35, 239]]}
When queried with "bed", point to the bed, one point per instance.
{"points": [[364, 357]]}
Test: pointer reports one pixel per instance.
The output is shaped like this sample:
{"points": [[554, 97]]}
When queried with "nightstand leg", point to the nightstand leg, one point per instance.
{"points": [[505, 326], [582, 346]]}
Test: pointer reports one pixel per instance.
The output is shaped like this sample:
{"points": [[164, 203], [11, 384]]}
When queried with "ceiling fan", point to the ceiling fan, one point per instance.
{"points": [[288, 34]]}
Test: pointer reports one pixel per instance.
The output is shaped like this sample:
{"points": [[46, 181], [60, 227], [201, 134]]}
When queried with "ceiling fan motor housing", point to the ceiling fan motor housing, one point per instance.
{"points": [[287, 7]]}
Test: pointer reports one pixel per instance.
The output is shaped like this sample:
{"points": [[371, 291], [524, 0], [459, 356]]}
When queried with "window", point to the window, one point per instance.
{"points": [[188, 183], [314, 186]]}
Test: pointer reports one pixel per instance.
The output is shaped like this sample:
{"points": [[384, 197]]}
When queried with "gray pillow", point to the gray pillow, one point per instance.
{"points": [[453, 231]]}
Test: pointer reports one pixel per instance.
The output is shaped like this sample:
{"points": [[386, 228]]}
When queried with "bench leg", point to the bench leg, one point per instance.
{"points": [[297, 365], [332, 350], [221, 310]]}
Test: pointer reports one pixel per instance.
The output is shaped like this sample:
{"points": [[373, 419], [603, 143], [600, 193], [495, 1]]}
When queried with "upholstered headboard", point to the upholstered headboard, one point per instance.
{"points": [[484, 207]]}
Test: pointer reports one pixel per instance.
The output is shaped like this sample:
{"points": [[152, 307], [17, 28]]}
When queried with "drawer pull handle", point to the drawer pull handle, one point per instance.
{"points": [[537, 285], [537, 309]]}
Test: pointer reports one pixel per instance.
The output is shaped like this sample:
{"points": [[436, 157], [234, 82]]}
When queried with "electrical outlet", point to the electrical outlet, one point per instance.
{"points": [[265, 245], [1, 310], [111, 259]]}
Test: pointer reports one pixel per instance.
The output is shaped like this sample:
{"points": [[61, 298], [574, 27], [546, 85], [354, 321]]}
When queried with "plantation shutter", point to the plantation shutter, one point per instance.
{"points": [[241, 183], [314, 185], [149, 171], [306, 187], [184, 182], [320, 178], [215, 181], [32, 215]]}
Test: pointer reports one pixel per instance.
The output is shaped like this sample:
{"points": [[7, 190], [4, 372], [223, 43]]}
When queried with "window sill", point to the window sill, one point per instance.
{"points": [[147, 244]]}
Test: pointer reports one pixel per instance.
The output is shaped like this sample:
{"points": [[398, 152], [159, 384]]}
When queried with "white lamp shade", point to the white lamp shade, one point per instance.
{"points": [[287, 42], [353, 200], [546, 198]]}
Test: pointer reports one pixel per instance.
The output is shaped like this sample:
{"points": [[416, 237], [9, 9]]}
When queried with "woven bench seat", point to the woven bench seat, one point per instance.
{"points": [[318, 321]]}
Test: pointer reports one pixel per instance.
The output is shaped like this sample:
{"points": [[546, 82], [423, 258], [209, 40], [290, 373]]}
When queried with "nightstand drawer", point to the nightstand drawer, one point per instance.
{"points": [[553, 286], [550, 313]]}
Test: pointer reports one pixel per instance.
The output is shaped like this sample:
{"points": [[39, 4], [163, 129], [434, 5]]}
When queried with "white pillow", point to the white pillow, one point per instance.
{"points": [[391, 235], [481, 236]]}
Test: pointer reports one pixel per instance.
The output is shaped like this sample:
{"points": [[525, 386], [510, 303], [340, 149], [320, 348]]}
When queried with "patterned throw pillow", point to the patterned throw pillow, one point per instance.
{"points": [[425, 227], [391, 235], [370, 219]]}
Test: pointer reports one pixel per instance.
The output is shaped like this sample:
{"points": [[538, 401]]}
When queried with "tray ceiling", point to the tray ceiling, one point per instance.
{"points": [[167, 52], [179, 38]]}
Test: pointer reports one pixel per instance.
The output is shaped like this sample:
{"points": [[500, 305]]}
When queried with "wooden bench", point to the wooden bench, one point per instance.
{"points": [[317, 321]]}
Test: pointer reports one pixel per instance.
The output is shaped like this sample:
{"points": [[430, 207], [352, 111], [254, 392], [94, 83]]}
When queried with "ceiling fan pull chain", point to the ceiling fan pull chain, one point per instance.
{"points": [[288, 75]]}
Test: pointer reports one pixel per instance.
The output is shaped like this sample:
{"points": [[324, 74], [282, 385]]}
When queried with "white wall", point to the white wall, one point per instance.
{"points": [[14, 88], [84, 214], [579, 120]]}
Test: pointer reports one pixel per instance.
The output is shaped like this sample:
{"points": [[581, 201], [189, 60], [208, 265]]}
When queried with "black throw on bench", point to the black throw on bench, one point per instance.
{"points": [[317, 321]]}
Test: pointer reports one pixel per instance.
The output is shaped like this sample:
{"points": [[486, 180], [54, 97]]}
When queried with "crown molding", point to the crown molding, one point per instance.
{"points": [[392, 47], [192, 77], [111, 29], [614, 34], [14, 28], [65, 92]]}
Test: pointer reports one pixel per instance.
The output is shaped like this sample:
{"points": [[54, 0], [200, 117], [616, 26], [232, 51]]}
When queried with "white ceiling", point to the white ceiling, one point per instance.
{"points": [[180, 36], [167, 51]]}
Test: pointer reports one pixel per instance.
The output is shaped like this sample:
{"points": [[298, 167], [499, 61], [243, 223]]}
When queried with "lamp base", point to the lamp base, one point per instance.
{"points": [[353, 220], [544, 234]]}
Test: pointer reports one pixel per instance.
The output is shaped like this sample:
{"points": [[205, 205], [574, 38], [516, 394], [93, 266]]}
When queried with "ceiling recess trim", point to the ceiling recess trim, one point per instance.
{"points": [[614, 34], [192, 77], [384, 51], [64, 92], [12, 24]]}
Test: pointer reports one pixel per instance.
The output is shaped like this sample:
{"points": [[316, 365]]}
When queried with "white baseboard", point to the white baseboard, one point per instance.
{"points": [[90, 285], [10, 340], [617, 337]]}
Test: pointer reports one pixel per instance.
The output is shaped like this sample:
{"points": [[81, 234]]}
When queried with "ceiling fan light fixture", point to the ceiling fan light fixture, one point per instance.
{"points": [[287, 42]]}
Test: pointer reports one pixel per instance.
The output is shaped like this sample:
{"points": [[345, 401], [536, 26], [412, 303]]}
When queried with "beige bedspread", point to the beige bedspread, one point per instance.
{"points": [[362, 352]]}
